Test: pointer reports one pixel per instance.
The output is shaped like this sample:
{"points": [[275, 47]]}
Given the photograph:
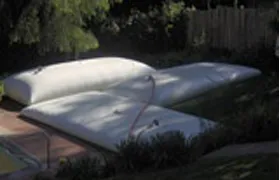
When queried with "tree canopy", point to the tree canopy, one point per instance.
{"points": [[63, 25], [51, 25]]}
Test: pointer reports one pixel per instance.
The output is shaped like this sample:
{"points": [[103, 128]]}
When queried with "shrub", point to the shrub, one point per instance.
{"points": [[160, 29], [2, 85], [170, 149], [1, 89], [165, 60], [211, 140], [274, 23], [81, 169], [134, 156], [259, 122], [160, 152], [261, 56]]}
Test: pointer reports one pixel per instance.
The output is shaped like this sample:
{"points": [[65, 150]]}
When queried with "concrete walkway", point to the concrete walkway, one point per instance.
{"points": [[245, 149]]}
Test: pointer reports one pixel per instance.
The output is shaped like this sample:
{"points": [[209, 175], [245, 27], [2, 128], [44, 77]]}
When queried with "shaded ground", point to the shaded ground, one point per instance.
{"points": [[245, 149], [253, 167]]}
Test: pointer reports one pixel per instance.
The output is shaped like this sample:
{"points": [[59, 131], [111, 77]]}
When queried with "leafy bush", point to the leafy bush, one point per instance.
{"points": [[274, 23], [82, 169], [257, 123], [261, 56], [134, 156], [161, 28], [161, 151], [211, 140], [165, 60], [1, 89], [1, 84]]}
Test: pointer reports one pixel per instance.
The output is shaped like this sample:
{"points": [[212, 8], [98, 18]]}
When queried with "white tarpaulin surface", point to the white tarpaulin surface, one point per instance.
{"points": [[53, 81], [105, 120], [178, 84]]}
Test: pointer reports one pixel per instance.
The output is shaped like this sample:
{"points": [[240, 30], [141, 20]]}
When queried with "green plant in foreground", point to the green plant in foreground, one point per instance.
{"points": [[81, 169], [260, 122], [160, 152], [1, 89]]}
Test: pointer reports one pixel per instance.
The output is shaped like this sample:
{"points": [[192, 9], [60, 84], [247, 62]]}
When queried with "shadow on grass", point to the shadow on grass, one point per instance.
{"points": [[253, 167]]}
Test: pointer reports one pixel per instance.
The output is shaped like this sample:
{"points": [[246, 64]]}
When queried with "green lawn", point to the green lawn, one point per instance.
{"points": [[253, 167]]}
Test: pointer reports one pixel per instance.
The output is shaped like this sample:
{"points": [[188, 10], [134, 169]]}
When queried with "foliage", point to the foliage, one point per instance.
{"points": [[1, 84], [248, 167], [274, 23], [259, 122], [161, 151], [166, 60], [81, 169], [53, 25], [159, 29], [143, 5], [261, 56], [31, 29], [171, 149], [1, 90]]}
